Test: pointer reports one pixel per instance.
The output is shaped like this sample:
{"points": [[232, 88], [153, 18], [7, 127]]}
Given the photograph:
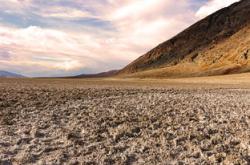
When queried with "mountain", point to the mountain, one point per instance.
{"points": [[98, 75], [218, 44], [5, 74]]}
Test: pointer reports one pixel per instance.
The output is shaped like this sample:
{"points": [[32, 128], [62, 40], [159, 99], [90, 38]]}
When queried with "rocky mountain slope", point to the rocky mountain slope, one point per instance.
{"points": [[6, 74], [218, 44]]}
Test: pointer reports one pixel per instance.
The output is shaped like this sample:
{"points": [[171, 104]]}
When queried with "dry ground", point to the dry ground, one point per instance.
{"points": [[107, 121]]}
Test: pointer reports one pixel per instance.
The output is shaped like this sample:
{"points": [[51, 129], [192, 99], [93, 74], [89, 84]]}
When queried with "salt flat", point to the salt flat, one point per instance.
{"points": [[125, 121]]}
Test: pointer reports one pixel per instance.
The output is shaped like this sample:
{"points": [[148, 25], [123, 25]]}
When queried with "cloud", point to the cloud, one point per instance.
{"points": [[4, 54], [15, 5], [147, 23], [64, 13], [74, 38], [57, 50], [212, 6]]}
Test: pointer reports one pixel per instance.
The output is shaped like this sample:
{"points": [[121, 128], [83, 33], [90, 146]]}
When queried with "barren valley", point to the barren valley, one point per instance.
{"points": [[156, 109], [111, 121]]}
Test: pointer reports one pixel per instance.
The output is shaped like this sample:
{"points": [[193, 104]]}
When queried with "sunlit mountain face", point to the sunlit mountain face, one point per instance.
{"points": [[63, 37]]}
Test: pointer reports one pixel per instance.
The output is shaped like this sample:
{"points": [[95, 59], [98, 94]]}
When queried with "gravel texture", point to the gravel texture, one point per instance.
{"points": [[123, 125]]}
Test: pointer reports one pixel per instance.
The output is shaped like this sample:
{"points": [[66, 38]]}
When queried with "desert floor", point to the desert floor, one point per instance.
{"points": [[130, 121]]}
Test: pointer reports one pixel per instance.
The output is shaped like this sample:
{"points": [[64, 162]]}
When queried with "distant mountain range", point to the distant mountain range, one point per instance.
{"points": [[98, 75], [219, 44], [5, 74]]}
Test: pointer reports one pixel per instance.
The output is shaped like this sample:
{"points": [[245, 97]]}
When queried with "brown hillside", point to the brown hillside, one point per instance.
{"points": [[218, 44]]}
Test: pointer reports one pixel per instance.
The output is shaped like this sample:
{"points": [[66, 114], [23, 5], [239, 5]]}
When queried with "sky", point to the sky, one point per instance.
{"points": [[70, 37]]}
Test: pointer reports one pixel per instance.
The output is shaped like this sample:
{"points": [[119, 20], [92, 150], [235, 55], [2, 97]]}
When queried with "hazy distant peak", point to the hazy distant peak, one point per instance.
{"points": [[7, 74]]}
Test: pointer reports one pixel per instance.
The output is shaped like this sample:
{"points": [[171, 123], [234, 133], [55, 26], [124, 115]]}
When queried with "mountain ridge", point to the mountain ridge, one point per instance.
{"points": [[6, 74], [190, 45], [98, 75]]}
